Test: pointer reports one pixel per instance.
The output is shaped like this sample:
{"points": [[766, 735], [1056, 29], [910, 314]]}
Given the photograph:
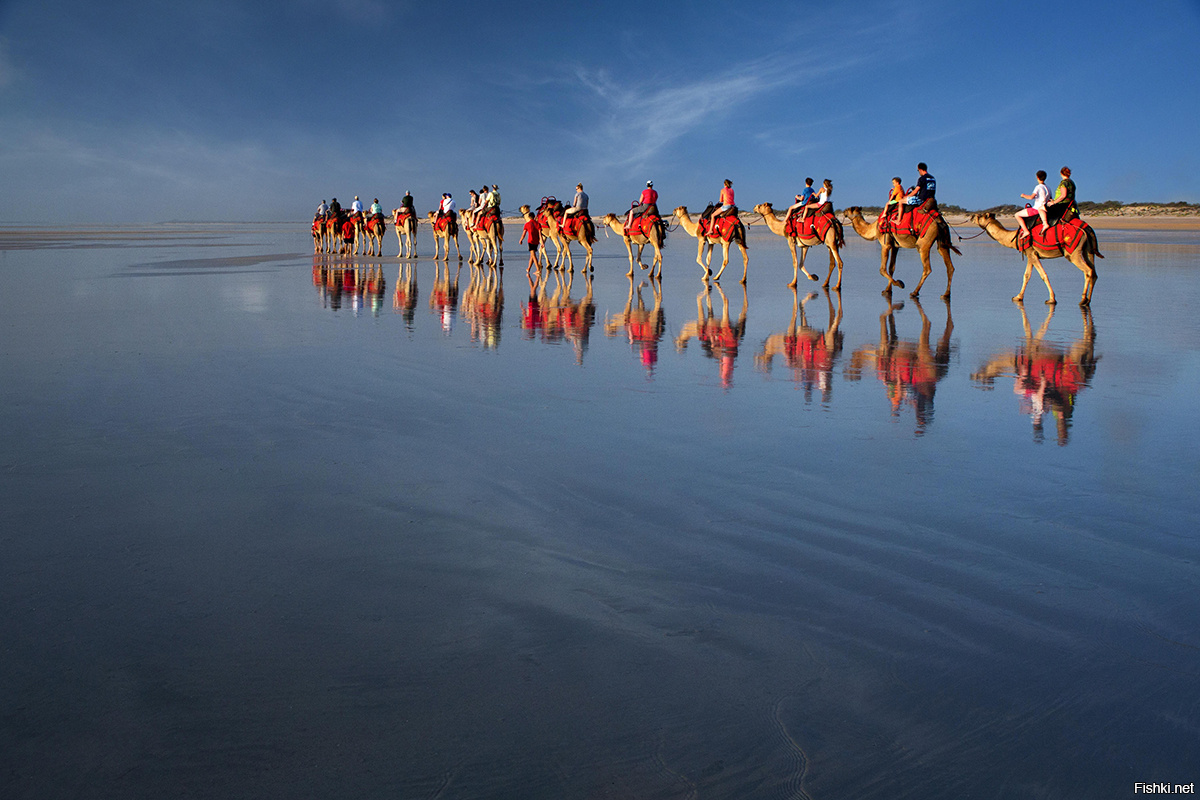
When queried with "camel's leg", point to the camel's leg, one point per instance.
{"points": [[700, 256], [926, 270], [724, 260], [1080, 259], [457, 252], [1020, 296], [887, 267], [835, 258], [629, 251], [745, 263], [795, 263], [945, 251]]}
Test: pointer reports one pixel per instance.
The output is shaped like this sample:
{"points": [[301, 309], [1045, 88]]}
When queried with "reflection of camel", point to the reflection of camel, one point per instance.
{"points": [[644, 327], [935, 235], [809, 353], [483, 305], [1047, 377], [443, 300], [657, 238], [448, 231], [702, 258], [719, 339], [565, 319], [910, 370], [833, 240], [406, 232], [404, 301], [1084, 257]]}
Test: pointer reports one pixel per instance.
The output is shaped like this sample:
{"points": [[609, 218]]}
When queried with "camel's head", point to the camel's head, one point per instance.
{"points": [[764, 209], [607, 218], [679, 211], [983, 218]]}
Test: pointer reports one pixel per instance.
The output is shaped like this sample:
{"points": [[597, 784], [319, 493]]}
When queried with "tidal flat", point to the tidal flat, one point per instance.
{"points": [[282, 525]]}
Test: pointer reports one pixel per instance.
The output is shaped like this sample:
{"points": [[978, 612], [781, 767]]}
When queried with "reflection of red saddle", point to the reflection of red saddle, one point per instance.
{"points": [[642, 225], [571, 225], [1065, 236], [811, 227], [725, 227], [912, 223]]}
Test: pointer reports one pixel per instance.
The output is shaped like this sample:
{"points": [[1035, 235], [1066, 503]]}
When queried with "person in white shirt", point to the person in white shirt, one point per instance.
{"points": [[448, 204], [356, 206], [1039, 197], [322, 210], [578, 204]]}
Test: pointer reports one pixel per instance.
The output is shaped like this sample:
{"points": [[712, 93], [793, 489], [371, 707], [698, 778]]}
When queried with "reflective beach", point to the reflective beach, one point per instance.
{"points": [[281, 525]]}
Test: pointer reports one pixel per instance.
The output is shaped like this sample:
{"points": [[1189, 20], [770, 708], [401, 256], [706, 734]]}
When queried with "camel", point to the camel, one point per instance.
{"points": [[474, 246], [406, 233], [645, 327], [808, 352], [1084, 257], [585, 234], [490, 240], [318, 234], [833, 240], [545, 212], [1046, 376], [909, 370], [693, 230], [443, 237], [890, 243], [720, 339], [657, 239], [372, 230]]}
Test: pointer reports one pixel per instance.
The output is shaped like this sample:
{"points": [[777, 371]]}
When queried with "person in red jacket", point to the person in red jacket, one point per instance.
{"points": [[648, 200]]}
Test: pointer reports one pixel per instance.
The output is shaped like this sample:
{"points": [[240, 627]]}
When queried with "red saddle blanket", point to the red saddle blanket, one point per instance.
{"points": [[811, 227], [1065, 236], [444, 222], [318, 225], [571, 225], [376, 225], [725, 227], [912, 223], [402, 216], [487, 220], [642, 225]]}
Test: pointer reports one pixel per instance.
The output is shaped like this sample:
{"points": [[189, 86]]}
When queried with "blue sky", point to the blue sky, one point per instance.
{"points": [[215, 110]]}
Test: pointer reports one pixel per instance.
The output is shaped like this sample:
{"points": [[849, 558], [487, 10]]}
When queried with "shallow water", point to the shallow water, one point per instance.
{"points": [[279, 526]]}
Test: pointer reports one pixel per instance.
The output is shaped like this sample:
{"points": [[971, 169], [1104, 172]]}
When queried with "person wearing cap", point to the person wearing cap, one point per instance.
{"points": [[449, 207], [493, 199], [647, 201], [578, 204]]}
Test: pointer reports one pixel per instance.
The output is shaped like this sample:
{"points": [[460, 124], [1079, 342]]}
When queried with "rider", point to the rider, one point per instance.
{"points": [[448, 208], [647, 201], [407, 203], [803, 199], [1039, 197], [923, 195], [895, 200], [578, 204], [1064, 198], [335, 208], [322, 210], [376, 209], [822, 204], [726, 206], [356, 206]]}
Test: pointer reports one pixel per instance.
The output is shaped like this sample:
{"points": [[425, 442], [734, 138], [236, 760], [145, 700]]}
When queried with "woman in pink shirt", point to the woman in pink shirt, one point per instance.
{"points": [[726, 201]]}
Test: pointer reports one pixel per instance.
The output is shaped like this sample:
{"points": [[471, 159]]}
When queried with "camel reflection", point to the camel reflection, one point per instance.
{"points": [[1047, 376], [404, 300], [443, 300], [910, 370], [339, 284], [483, 304], [645, 327], [808, 352], [565, 319], [719, 339]]}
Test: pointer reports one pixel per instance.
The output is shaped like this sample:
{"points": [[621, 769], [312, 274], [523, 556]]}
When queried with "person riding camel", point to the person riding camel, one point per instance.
{"points": [[895, 201], [923, 195], [335, 208], [355, 207], [725, 207], [1062, 207], [579, 204], [648, 201], [822, 205], [1039, 197], [802, 200], [406, 204], [322, 210], [376, 210]]}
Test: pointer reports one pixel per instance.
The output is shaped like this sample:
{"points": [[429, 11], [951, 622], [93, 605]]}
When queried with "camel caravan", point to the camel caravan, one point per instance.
{"points": [[1048, 228]]}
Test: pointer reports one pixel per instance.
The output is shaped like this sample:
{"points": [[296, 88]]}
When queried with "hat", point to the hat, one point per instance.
{"points": [[649, 183], [494, 186]]}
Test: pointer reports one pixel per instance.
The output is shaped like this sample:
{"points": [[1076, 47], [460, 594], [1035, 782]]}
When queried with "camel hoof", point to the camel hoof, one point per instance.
{"points": [[900, 284], [946, 296], [813, 278], [914, 295], [1052, 302], [792, 285]]}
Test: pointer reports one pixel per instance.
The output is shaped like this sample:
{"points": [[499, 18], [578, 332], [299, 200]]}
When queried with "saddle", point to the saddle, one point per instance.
{"points": [[447, 223], [487, 218], [375, 224], [643, 224], [1064, 236], [913, 221], [573, 224], [403, 214], [724, 227], [814, 226]]}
